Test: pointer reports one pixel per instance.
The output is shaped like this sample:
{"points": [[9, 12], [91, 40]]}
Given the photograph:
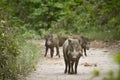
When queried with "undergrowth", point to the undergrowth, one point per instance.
{"points": [[29, 57]]}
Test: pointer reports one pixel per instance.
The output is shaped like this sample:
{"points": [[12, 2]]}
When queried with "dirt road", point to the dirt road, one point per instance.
{"points": [[53, 68]]}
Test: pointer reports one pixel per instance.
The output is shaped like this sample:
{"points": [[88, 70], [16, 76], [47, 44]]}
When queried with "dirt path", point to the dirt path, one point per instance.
{"points": [[53, 68]]}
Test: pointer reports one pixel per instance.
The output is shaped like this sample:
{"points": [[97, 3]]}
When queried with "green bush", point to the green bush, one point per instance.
{"points": [[29, 57], [31, 34], [9, 50], [17, 56]]}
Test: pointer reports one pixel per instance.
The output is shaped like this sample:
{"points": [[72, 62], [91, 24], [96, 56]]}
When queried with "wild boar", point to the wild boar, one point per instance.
{"points": [[52, 41], [72, 51], [62, 40], [85, 44]]}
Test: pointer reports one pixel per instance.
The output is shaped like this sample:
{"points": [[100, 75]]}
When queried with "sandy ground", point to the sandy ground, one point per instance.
{"points": [[53, 68]]}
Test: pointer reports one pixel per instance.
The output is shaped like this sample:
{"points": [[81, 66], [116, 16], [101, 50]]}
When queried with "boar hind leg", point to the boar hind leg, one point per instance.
{"points": [[51, 52], [85, 51], [46, 51], [57, 49]]}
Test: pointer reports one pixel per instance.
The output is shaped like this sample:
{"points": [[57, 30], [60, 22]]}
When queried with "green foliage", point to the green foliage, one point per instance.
{"points": [[117, 58], [70, 17], [95, 19], [9, 50], [16, 55], [29, 57], [12, 55], [31, 34], [96, 73], [110, 76]]}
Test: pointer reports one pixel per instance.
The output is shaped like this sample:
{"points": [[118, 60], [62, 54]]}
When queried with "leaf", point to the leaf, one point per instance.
{"points": [[59, 5]]}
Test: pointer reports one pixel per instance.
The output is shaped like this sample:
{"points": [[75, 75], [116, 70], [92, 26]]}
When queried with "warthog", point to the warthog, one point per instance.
{"points": [[52, 41], [72, 51]]}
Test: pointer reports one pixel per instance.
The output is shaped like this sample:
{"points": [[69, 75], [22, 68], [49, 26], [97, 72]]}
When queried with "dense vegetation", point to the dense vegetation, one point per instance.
{"points": [[27, 19]]}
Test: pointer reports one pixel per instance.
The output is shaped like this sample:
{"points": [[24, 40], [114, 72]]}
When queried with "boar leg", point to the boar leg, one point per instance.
{"points": [[51, 52], [72, 63], [57, 49], [69, 67], [46, 51], [65, 65], [76, 64], [85, 51]]}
